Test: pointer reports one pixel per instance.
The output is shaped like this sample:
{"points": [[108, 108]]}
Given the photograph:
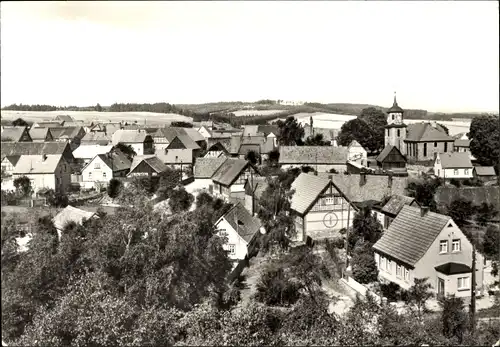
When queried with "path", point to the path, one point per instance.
{"points": [[251, 275]]}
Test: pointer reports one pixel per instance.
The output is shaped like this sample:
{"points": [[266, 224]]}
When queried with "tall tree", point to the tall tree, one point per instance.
{"points": [[485, 139], [377, 120], [290, 132], [359, 130], [316, 140], [460, 210]]}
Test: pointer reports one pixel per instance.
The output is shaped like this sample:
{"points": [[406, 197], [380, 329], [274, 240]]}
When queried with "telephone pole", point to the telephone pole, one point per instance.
{"points": [[472, 309]]}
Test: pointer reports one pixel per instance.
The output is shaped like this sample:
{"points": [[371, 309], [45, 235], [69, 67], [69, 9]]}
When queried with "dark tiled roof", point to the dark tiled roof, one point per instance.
{"points": [[206, 167], [313, 155], [307, 189], [242, 221], [386, 151], [116, 160], [98, 138], [129, 136], [410, 235], [151, 160], [12, 134], [478, 195], [229, 171], [396, 203], [455, 160], [66, 132], [39, 133], [461, 143], [453, 268], [425, 132], [52, 124], [26, 148], [485, 170], [244, 149], [64, 118], [268, 129]]}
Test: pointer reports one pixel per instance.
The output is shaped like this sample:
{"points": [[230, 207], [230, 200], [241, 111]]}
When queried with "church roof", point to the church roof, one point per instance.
{"points": [[395, 107]]}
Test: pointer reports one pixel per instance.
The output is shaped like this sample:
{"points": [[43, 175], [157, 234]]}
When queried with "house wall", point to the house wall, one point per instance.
{"points": [[143, 169], [320, 167], [7, 166], [59, 181], [387, 271], [461, 149], [358, 155], [415, 150], [299, 229], [92, 174], [160, 144], [204, 132], [392, 138], [233, 239], [451, 173], [317, 221]]}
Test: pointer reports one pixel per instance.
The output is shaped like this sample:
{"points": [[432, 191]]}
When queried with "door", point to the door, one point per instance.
{"points": [[440, 286]]}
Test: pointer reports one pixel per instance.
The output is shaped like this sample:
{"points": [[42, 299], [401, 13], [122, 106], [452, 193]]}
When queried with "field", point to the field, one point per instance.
{"points": [[241, 113], [89, 116]]}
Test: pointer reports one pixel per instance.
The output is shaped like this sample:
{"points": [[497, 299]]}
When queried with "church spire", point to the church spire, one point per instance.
{"points": [[395, 102]]}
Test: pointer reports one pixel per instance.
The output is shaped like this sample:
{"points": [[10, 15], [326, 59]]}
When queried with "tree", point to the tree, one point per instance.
{"points": [[365, 226], [114, 187], [55, 199], [180, 200], [359, 130], [274, 288], [453, 317], [418, 294], [460, 210], [491, 242], [423, 191], [444, 127], [485, 140], [316, 140], [377, 120], [181, 124], [364, 268], [274, 157], [125, 149], [169, 180], [485, 213], [23, 186], [19, 122], [290, 132], [98, 108], [253, 157]]}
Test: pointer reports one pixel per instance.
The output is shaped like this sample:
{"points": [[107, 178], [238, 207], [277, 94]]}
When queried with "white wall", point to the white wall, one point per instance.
{"points": [[91, 174], [451, 173], [240, 245], [204, 132], [138, 148]]}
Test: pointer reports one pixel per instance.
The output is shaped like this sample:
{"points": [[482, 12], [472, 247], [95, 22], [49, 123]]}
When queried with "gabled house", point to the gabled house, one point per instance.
{"points": [[267, 131], [319, 208], [41, 135], [222, 136], [425, 140], [242, 231], [85, 153], [8, 164], [96, 138], [44, 171], [357, 154], [484, 173], [453, 165], [229, 180], [203, 171], [205, 131], [461, 144], [254, 188], [391, 159], [386, 212], [146, 165], [71, 135], [16, 134], [174, 138], [31, 148], [104, 167], [423, 244], [71, 214], [216, 150], [196, 137], [320, 158], [139, 140]]}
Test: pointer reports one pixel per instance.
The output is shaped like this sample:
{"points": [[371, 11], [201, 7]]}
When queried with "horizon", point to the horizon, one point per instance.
{"points": [[84, 53]]}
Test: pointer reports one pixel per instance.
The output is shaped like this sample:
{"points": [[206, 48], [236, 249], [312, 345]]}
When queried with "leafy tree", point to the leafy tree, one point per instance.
{"points": [[23, 186], [485, 213], [275, 288], [364, 268], [19, 122], [365, 226], [125, 149], [491, 242], [423, 191], [114, 187], [455, 182], [453, 317], [252, 157], [377, 120], [359, 130], [460, 210], [485, 139], [169, 180], [274, 157], [445, 128], [180, 200], [98, 108], [55, 199], [316, 140], [417, 296], [290, 132]]}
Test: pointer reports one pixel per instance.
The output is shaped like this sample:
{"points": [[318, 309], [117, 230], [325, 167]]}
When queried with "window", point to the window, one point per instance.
{"points": [[435, 144], [398, 270], [398, 132], [104, 174], [455, 245], [392, 117], [232, 249], [438, 161], [466, 171], [338, 200], [446, 146], [90, 174], [329, 201], [425, 149], [455, 172], [463, 283], [97, 165], [443, 246], [407, 274], [382, 262], [388, 265]]}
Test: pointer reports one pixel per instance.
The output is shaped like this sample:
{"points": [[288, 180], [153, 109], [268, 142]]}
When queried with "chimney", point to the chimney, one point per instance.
{"points": [[362, 179], [423, 211]]}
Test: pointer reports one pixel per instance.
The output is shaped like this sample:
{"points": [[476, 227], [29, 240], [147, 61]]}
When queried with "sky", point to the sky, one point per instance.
{"points": [[438, 56]]}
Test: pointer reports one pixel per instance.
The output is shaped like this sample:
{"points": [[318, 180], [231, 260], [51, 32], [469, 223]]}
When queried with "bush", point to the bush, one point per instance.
{"points": [[55, 199], [8, 198], [114, 187], [364, 268], [391, 291], [23, 186], [333, 171], [338, 242], [474, 182], [275, 288], [455, 182]]}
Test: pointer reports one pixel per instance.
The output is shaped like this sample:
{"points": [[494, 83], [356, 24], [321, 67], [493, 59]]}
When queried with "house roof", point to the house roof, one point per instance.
{"points": [[375, 188], [183, 134], [90, 151], [63, 118], [478, 195], [395, 107], [410, 235], [176, 156], [242, 222], [485, 170], [425, 132], [52, 124], [229, 171], [39, 133], [187, 141], [97, 137], [25, 148], [65, 132], [216, 134], [194, 134], [151, 160], [453, 268], [313, 155], [12, 134], [13, 159], [354, 143], [396, 203], [250, 130], [461, 143], [261, 144], [71, 214], [35, 164], [267, 129], [455, 160], [386, 151], [206, 167], [116, 160], [129, 136], [217, 147], [307, 188]]}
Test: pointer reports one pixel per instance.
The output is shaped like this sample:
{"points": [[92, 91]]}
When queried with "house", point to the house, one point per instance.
{"points": [[106, 128], [146, 165], [229, 180], [24, 148], [319, 208], [453, 165], [16, 134], [329, 135], [64, 119], [357, 154], [254, 188], [85, 153], [242, 231], [104, 167], [72, 135], [391, 159], [139, 140], [320, 158], [71, 214], [203, 171], [96, 138], [261, 145], [174, 138], [390, 209], [216, 150], [205, 131], [195, 136], [484, 173], [222, 136], [41, 135], [267, 131], [207, 124], [8, 165], [50, 171], [423, 244], [425, 140], [181, 159]]}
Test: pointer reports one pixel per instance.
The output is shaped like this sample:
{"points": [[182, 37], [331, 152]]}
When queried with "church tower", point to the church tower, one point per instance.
{"points": [[395, 130]]}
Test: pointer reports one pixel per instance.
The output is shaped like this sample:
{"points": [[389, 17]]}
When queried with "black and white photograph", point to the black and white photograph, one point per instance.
{"points": [[250, 173]]}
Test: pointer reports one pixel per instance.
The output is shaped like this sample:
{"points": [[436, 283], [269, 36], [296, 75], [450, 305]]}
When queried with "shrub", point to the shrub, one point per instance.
{"points": [[364, 268], [55, 199], [391, 291], [8, 197], [275, 288], [23, 186], [455, 182], [114, 187], [338, 242]]}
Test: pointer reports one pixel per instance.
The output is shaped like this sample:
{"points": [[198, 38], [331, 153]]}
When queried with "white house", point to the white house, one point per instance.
{"points": [[229, 180], [453, 165], [44, 171], [85, 153], [139, 140], [203, 171], [241, 230], [357, 154], [103, 167]]}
